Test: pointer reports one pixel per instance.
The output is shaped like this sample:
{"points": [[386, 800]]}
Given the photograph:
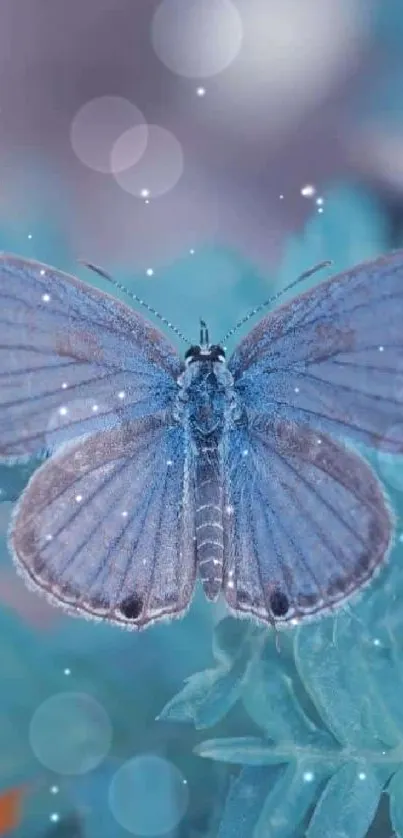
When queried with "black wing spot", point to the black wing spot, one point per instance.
{"points": [[279, 603], [131, 607]]}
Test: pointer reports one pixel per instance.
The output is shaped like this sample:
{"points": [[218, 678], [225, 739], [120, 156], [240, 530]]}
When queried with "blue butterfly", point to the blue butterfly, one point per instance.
{"points": [[162, 469]]}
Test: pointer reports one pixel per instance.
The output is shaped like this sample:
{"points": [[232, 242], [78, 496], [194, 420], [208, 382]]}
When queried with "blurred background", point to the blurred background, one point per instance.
{"points": [[205, 152]]}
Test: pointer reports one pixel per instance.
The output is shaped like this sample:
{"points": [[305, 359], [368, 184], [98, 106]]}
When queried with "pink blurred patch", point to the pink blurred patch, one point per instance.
{"points": [[33, 609]]}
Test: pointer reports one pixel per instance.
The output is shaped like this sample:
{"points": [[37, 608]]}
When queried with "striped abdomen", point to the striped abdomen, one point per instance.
{"points": [[209, 519]]}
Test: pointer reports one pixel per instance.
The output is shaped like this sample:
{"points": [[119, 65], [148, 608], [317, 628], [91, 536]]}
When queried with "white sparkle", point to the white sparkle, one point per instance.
{"points": [[296, 389], [150, 272], [46, 298], [191, 251], [376, 641], [230, 584], [146, 201], [308, 190], [54, 789], [145, 193], [319, 441], [294, 621], [54, 817], [320, 209], [67, 671], [30, 235], [63, 411], [64, 385], [42, 272], [229, 510], [95, 408], [401, 537], [144, 561], [362, 775], [49, 537], [201, 91], [281, 197], [79, 498], [169, 462], [125, 513], [245, 452], [319, 201], [381, 348], [308, 776], [121, 395]]}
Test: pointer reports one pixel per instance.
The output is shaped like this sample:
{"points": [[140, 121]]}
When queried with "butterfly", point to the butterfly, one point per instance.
{"points": [[163, 469]]}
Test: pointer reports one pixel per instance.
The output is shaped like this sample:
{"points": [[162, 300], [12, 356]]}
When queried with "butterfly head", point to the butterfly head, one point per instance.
{"points": [[206, 351]]}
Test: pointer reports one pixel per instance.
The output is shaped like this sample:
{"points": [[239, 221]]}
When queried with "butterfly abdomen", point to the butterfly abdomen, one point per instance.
{"points": [[209, 519]]}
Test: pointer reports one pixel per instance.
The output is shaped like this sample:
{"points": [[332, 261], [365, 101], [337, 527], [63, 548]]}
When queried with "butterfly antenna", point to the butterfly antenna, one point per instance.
{"points": [[273, 298], [134, 297]]}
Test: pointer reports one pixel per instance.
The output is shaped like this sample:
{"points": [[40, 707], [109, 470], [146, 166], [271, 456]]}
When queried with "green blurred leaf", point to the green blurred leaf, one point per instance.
{"points": [[347, 805]]}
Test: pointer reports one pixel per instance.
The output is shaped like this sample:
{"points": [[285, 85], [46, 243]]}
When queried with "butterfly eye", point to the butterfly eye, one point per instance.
{"points": [[279, 603], [192, 353]]}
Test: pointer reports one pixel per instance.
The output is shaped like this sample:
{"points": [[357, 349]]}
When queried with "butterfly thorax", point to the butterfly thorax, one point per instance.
{"points": [[208, 407]]}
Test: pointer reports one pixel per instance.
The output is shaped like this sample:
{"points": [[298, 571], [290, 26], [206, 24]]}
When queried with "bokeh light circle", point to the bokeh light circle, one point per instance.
{"points": [[98, 125], [148, 795], [196, 39], [70, 733], [157, 170]]}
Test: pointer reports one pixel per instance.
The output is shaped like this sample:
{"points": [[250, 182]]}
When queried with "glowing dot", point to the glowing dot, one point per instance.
{"points": [[42, 272], [281, 197], [49, 537], [308, 776], [146, 201], [148, 796], [229, 510], [169, 462], [230, 584], [125, 513], [64, 385], [30, 235], [121, 395], [320, 209], [294, 621], [201, 91], [95, 408], [79, 498], [319, 202], [150, 272], [191, 251], [381, 348], [362, 775], [63, 411], [67, 671], [245, 452], [54, 789], [54, 817], [401, 537], [145, 193], [319, 441], [376, 641], [70, 733], [46, 298], [308, 191], [296, 389]]}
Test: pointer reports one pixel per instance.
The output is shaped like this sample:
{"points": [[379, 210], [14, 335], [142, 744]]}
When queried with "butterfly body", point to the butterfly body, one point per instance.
{"points": [[238, 473], [209, 410]]}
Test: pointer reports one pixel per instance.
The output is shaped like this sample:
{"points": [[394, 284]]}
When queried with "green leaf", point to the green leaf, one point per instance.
{"points": [[347, 805], [205, 699], [246, 799]]}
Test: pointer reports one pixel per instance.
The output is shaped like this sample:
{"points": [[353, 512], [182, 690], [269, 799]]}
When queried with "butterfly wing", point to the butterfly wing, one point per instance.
{"points": [[306, 521], [105, 527], [332, 358], [72, 359]]}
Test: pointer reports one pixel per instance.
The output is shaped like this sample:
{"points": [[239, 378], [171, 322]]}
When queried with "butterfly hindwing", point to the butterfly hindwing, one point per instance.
{"points": [[332, 358], [105, 527], [306, 521], [73, 359]]}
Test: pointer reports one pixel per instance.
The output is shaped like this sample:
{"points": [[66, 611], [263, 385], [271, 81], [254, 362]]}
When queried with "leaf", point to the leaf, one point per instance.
{"points": [[395, 791], [246, 799], [348, 804]]}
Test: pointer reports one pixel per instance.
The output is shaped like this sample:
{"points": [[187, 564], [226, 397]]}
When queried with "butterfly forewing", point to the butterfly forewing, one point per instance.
{"points": [[106, 526], [307, 522], [332, 358], [72, 359]]}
